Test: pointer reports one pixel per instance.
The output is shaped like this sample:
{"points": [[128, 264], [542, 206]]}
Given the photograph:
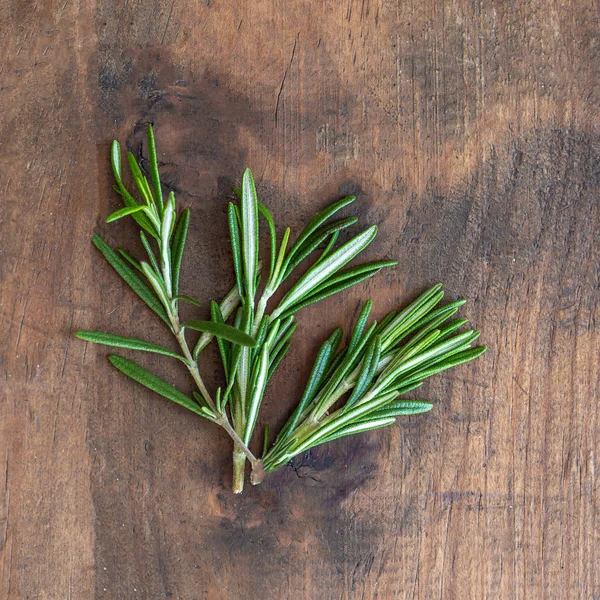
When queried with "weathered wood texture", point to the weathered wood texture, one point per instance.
{"points": [[469, 132]]}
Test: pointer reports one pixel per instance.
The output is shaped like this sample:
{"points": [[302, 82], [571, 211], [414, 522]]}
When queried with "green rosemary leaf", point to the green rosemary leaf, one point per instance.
{"points": [[188, 299], [249, 214], [285, 326], [123, 212], [261, 335], [319, 273], [313, 242], [149, 252], [451, 327], [178, 245], [227, 332], [154, 169], [404, 388], [385, 321], [445, 363], [281, 340], [410, 349], [227, 306], [224, 349], [266, 439], [152, 382], [329, 247], [277, 357], [367, 372], [264, 212], [438, 316], [131, 279], [115, 160], [130, 259], [360, 427], [320, 368], [367, 269], [157, 283], [140, 181], [360, 324], [400, 408], [406, 318], [141, 219], [234, 234], [166, 229], [257, 393], [329, 290], [118, 341], [218, 401], [397, 368], [336, 422], [319, 219]]}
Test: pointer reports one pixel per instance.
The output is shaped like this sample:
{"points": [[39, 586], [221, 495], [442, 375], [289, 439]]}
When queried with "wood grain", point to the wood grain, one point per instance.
{"points": [[469, 132]]}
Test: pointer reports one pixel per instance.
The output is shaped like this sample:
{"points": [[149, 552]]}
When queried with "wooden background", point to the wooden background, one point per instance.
{"points": [[469, 132]]}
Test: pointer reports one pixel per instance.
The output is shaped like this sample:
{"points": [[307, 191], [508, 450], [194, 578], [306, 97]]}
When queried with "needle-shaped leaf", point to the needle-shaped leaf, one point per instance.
{"points": [[130, 259], [140, 181], [318, 220], [401, 408], [249, 218], [360, 427], [438, 316], [329, 247], [152, 159], [277, 357], [188, 299], [264, 212], [227, 332], [405, 319], [336, 422], [328, 290], [141, 219], [315, 380], [149, 251], [154, 383], [363, 317], [367, 372], [257, 393], [115, 160], [321, 272], [353, 273], [442, 365], [227, 306], [313, 242], [234, 236], [168, 222], [118, 341], [130, 277], [123, 212], [224, 349], [157, 283]]}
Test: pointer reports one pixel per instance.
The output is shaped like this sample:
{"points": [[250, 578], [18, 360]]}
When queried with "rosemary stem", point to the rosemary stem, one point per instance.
{"points": [[223, 421]]}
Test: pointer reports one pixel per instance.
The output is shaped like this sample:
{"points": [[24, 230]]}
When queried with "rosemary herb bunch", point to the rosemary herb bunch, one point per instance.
{"points": [[350, 390]]}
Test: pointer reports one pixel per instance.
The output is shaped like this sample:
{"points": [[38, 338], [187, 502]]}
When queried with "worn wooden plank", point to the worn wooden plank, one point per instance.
{"points": [[469, 133]]}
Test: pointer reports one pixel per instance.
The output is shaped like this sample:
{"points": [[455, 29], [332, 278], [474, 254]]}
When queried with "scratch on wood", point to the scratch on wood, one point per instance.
{"points": [[284, 77], [168, 21], [21, 325]]}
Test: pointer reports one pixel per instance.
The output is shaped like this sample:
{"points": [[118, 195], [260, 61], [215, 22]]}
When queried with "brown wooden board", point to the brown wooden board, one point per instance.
{"points": [[469, 132]]}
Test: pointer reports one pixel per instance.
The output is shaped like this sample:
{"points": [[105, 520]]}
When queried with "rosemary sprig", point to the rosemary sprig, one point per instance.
{"points": [[167, 232], [357, 389], [248, 370], [349, 390]]}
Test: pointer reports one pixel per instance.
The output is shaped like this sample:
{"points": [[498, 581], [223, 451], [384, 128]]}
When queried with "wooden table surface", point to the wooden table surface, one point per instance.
{"points": [[469, 132]]}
